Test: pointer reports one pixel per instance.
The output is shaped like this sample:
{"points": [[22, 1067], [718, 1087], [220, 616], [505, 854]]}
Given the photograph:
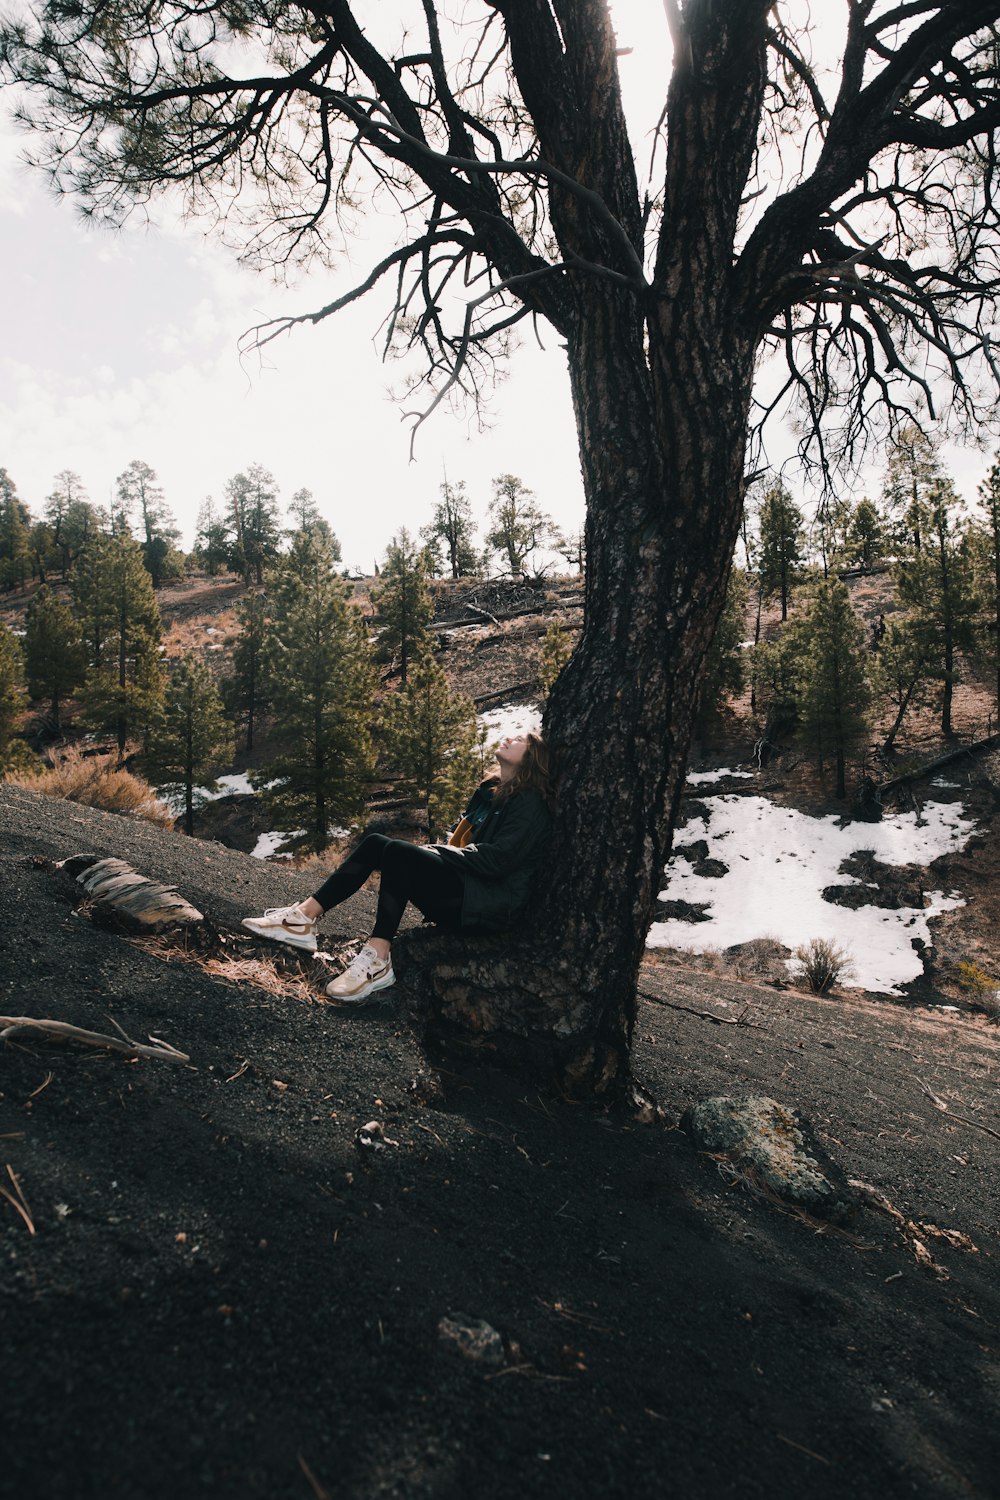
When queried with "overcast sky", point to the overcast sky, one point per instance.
{"points": [[123, 345]]}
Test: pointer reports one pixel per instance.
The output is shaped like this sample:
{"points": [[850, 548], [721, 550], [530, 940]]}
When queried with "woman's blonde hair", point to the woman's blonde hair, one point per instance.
{"points": [[534, 772]]}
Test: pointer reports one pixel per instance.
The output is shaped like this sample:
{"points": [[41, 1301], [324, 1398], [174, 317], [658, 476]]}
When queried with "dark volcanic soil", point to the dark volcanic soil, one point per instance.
{"points": [[225, 1296]]}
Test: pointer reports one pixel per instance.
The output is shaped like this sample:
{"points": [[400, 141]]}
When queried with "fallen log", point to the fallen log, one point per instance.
{"points": [[989, 743], [513, 690]]}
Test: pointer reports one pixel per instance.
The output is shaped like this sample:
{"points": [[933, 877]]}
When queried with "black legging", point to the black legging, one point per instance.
{"points": [[409, 873]]}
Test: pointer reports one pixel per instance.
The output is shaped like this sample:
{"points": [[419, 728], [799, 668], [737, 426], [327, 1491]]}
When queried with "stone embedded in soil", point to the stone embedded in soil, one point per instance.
{"points": [[777, 1146], [474, 1339], [372, 1137]]}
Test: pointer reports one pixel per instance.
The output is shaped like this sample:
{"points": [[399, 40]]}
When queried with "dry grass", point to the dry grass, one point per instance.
{"points": [[321, 864], [95, 782], [760, 959], [201, 634], [821, 963], [272, 975]]}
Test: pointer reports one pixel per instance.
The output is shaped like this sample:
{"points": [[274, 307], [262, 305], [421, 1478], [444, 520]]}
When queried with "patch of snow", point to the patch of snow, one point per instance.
{"points": [[237, 785], [698, 778], [940, 781], [510, 718], [212, 630], [268, 846], [779, 861]]}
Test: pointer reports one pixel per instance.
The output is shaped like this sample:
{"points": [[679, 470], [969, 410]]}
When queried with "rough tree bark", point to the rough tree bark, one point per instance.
{"points": [[664, 489]]}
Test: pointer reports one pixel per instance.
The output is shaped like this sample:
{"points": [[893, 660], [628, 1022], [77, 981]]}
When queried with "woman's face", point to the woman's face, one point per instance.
{"points": [[511, 751]]}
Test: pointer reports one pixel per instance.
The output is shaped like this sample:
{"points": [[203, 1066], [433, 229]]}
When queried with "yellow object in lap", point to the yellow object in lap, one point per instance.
{"points": [[461, 834]]}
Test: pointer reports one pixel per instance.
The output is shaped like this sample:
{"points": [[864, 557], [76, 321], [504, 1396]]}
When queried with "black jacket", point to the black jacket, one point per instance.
{"points": [[499, 868]]}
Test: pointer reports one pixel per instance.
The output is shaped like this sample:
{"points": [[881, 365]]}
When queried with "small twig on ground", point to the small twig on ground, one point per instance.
{"points": [[511, 1370], [14, 1025], [704, 1015], [43, 1085], [802, 1449], [20, 1203], [317, 1488], [239, 1071], [946, 1109]]}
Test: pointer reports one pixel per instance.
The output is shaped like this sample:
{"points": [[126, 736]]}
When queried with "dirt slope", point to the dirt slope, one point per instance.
{"points": [[225, 1296]]}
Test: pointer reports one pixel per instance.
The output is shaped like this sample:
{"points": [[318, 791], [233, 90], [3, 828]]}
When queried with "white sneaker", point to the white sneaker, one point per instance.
{"points": [[285, 924], [363, 977]]}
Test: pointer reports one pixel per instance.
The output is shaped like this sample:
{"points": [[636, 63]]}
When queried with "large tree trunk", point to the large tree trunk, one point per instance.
{"points": [[664, 498], [661, 383]]}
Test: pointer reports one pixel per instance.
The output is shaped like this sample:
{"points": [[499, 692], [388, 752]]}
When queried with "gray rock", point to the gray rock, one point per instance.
{"points": [[774, 1146], [472, 1338]]}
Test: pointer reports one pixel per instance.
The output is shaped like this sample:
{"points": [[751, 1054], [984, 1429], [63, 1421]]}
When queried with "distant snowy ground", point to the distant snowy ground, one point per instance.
{"points": [[268, 845], [779, 861], [511, 718], [237, 785]]}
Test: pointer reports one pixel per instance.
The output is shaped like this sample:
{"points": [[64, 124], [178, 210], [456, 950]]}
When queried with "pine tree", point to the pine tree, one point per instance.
{"points": [[452, 527], [191, 739], [319, 674], [71, 518], [913, 472], [866, 537], [41, 548], [320, 528], [53, 650], [937, 584], [989, 556], [832, 527], [304, 514], [750, 537], [15, 524], [832, 689], [246, 689], [93, 601], [403, 603], [725, 664], [211, 538], [121, 628], [432, 736], [774, 689], [900, 673], [554, 652], [140, 498], [781, 540], [253, 521], [519, 526], [14, 753]]}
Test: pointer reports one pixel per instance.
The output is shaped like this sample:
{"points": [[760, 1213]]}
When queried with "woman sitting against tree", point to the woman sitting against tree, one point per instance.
{"points": [[481, 879]]}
